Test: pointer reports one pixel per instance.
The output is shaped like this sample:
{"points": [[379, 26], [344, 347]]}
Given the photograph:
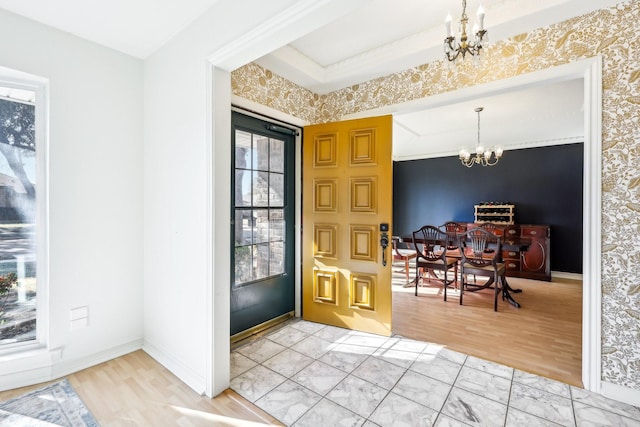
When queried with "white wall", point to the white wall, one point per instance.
{"points": [[178, 196], [96, 204], [187, 173]]}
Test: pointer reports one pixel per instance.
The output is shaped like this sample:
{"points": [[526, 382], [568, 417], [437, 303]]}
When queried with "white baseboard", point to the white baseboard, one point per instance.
{"points": [[187, 375], [65, 368], [38, 366], [620, 393], [563, 275]]}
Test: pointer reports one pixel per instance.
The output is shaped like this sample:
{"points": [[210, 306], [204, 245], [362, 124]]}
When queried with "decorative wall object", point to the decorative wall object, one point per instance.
{"points": [[612, 33]]}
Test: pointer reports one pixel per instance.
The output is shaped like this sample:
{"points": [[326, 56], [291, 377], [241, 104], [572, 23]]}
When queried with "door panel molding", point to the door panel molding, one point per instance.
{"points": [[363, 147], [363, 195], [362, 291], [325, 151], [325, 287], [363, 243], [324, 195], [325, 240]]}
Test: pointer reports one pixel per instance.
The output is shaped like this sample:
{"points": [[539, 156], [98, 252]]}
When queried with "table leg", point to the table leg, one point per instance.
{"points": [[515, 291], [507, 295], [506, 290]]}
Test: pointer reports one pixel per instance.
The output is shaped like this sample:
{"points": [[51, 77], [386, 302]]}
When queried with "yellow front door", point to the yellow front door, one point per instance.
{"points": [[347, 195]]}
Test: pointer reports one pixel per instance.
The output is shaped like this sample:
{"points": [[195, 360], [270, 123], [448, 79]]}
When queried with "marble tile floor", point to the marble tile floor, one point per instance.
{"points": [[308, 374]]}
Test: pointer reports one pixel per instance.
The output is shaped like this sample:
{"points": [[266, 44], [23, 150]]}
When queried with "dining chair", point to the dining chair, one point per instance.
{"points": [[431, 256], [480, 250], [489, 226], [453, 229], [402, 254], [492, 228]]}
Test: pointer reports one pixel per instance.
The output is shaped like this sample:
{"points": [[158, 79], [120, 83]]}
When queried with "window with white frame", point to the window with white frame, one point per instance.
{"points": [[19, 196]]}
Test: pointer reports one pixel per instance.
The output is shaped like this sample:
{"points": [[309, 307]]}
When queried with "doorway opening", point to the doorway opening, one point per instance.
{"points": [[590, 71]]}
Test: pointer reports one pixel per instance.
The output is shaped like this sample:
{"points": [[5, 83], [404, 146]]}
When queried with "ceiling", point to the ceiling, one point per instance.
{"points": [[386, 36], [377, 38], [135, 27], [538, 116]]}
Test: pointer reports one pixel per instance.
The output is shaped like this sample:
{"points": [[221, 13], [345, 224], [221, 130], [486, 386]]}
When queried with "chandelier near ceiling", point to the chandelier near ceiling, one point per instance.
{"points": [[453, 48], [484, 156]]}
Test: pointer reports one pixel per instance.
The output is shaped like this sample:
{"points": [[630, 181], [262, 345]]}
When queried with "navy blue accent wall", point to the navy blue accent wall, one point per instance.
{"points": [[545, 185]]}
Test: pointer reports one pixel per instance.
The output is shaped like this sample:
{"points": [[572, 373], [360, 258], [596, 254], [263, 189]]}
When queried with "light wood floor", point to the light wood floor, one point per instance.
{"points": [[543, 337], [135, 390]]}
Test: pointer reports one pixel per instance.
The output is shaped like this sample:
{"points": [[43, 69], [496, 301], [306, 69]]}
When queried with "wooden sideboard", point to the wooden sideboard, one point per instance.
{"points": [[534, 263]]}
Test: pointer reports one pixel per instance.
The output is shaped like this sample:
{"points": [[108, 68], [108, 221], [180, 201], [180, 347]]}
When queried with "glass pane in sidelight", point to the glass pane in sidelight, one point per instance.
{"points": [[260, 188], [261, 152], [243, 188], [276, 155], [276, 222], [243, 227], [243, 150], [243, 261], [261, 261], [276, 189], [260, 225], [276, 260]]}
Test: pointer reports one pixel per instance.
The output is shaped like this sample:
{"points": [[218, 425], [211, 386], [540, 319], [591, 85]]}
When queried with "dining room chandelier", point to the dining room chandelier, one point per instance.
{"points": [[483, 156], [454, 48]]}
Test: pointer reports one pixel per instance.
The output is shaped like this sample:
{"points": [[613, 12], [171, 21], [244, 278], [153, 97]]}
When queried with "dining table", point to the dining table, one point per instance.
{"points": [[511, 243]]}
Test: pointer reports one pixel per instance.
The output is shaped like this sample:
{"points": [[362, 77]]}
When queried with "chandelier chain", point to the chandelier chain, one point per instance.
{"points": [[478, 111]]}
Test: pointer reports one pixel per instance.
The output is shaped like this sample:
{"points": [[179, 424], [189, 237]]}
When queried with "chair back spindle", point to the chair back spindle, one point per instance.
{"points": [[452, 228]]}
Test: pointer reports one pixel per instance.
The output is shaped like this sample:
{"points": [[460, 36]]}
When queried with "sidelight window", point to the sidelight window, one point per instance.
{"points": [[18, 206], [259, 207]]}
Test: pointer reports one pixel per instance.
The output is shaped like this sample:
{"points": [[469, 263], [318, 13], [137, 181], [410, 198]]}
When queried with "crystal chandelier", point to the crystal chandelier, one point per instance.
{"points": [[453, 48], [484, 156]]}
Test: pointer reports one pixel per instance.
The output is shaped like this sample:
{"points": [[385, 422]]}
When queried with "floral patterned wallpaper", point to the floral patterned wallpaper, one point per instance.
{"points": [[612, 33], [256, 84]]}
